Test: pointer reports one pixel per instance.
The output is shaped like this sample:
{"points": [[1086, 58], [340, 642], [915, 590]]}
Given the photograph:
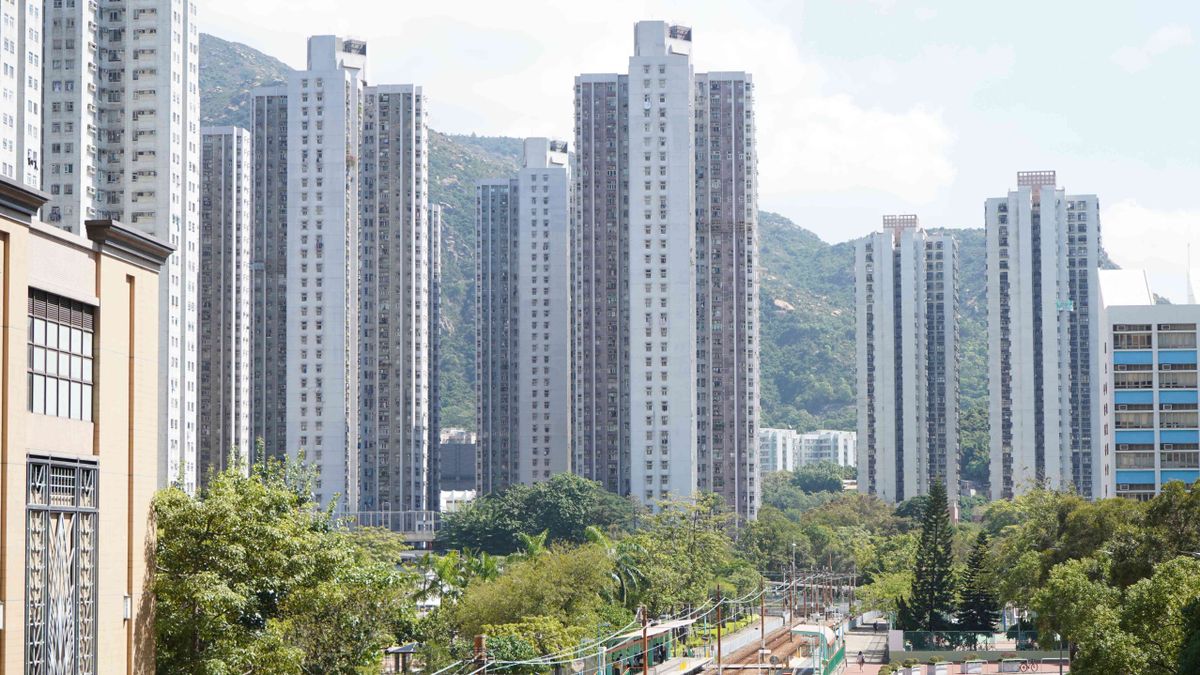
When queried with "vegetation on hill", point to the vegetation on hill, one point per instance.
{"points": [[229, 71]]}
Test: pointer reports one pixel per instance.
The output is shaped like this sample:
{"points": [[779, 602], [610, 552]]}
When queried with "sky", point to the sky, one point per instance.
{"points": [[864, 107]]}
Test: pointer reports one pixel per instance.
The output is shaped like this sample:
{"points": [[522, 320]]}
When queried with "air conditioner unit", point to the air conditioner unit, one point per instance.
{"points": [[1164, 366], [1166, 406], [1168, 446], [1122, 446], [1122, 406], [1122, 487]]}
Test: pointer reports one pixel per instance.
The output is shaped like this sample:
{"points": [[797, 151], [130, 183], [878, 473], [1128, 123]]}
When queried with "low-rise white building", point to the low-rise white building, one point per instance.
{"points": [[778, 450], [828, 445]]}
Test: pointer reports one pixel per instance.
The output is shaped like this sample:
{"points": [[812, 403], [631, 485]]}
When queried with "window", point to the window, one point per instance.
{"points": [[60, 566], [60, 356]]}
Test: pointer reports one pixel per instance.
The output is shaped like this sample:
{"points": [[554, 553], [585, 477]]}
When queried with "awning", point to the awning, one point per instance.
{"points": [[814, 629]]}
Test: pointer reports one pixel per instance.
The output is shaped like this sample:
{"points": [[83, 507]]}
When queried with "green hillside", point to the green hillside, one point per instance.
{"points": [[229, 71]]}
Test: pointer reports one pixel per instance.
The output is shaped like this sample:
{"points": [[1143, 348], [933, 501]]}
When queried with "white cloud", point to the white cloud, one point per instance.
{"points": [[1134, 59], [1158, 241], [490, 70]]}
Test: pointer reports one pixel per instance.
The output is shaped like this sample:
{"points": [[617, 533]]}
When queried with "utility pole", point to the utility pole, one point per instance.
{"points": [[645, 640], [792, 588], [481, 653], [720, 600], [762, 625]]}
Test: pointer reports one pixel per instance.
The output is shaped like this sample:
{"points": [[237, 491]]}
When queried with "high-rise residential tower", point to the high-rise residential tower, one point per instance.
{"points": [[21, 31], [523, 301], [394, 336], [434, 483], [906, 289], [666, 290], [225, 217], [1043, 338], [600, 285], [306, 137], [727, 337], [496, 309], [269, 310], [122, 141], [342, 281]]}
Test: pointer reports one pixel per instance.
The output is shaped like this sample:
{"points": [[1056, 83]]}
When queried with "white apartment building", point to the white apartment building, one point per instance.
{"points": [[21, 94], [523, 305], [828, 445], [1043, 250], [307, 195], [225, 217], [121, 121], [907, 354], [778, 450], [342, 281], [662, 263], [666, 377]]}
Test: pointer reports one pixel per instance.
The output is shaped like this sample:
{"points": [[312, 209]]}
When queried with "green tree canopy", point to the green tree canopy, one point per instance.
{"points": [[819, 477], [562, 508], [566, 584], [253, 578]]}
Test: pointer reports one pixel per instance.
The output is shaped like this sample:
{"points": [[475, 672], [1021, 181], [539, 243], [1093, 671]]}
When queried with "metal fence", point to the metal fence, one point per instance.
{"points": [[1014, 640], [408, 522]]}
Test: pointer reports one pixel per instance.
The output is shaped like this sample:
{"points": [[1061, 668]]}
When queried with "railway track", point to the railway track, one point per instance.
{"points": [[779, 643]]}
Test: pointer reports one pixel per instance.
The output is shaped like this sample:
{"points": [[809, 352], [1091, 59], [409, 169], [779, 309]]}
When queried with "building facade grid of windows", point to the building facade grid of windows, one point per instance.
{"points": [[1151, 433], [60, 356], [665, 277], [907, 356], [1043, 338]]}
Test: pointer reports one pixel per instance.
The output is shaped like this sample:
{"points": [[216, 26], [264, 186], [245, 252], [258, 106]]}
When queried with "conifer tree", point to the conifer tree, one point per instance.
{"points": [[977, 608], [931, 603]]}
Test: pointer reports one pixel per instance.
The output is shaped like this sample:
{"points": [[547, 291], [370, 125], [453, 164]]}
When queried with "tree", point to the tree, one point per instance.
{"points": [[975, 458], [562, 507], [567, 584], [818, 477], [931, 602], [1189, 650], [978, 609], [779, 491], [627, 577], [684, 549], [773, 541], [543, 635], [252, 577], [886, 592]]}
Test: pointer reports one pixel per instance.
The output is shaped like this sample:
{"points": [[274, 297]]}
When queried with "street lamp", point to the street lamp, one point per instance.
{"points": [[1058, 639], [793, 588]]}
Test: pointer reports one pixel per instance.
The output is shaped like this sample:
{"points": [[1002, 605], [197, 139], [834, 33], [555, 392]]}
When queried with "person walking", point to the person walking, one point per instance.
{"points": [[862, 661]]}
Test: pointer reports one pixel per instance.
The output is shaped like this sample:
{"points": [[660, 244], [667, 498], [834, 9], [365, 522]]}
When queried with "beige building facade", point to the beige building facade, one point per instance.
{"points": [[78, 442]]}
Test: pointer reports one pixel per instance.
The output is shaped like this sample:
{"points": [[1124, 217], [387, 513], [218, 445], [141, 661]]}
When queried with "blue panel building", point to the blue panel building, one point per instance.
{"points": [[1152, 431]]}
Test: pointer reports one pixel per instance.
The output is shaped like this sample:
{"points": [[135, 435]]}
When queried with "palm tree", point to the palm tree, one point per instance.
{"points": [[445, 577], [626, 576], [532, 545], [484, 566]]}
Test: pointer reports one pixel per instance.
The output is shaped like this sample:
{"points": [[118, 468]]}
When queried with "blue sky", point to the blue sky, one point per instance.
{"points": [[865, 107]]}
